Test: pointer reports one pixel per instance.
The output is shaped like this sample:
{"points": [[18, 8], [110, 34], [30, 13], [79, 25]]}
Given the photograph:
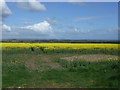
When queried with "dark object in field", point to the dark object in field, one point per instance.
{"points": [[42, 49], [32, 49]]}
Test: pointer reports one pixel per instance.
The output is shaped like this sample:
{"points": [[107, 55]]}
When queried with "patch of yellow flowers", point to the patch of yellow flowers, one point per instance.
{"points": [[111, 59], [59, 45]]}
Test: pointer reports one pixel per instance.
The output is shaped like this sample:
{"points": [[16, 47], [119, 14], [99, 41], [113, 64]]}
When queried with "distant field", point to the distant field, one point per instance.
{"points": [[60, 65]]}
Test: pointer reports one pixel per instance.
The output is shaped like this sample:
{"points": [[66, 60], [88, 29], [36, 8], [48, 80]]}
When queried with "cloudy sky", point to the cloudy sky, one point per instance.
{"points": [[60, 20]]}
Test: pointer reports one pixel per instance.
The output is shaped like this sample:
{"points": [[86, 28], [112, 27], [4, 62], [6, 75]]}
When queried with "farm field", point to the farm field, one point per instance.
{"points": [[60, 65]]}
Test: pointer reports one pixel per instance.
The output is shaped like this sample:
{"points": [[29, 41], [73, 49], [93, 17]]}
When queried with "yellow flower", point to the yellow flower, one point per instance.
{"points": [[50, 46]]}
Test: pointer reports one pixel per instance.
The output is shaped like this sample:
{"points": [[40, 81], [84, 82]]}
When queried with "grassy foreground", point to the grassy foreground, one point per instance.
{"points": [[60, 67]]}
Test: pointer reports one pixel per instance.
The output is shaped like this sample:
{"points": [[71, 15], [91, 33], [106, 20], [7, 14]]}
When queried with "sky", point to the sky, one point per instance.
{"points": [[60, 20]]}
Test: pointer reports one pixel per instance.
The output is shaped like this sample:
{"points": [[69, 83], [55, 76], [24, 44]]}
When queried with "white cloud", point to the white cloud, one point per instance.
{"points": [[65, 0], [6, 28], [81, 30], [31, 6], [52, 21], [42, 27], [87, 18], [4, 9]]}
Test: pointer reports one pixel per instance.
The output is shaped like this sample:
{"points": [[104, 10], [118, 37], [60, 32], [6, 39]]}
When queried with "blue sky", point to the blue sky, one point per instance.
{"points": [[61, 20]]}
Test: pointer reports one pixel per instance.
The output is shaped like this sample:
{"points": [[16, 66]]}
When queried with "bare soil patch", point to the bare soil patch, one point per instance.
{"points": [[89, 57], [50, 63], [33, 63], [30, 64]]}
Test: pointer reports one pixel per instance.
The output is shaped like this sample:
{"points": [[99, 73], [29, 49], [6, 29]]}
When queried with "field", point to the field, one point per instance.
{"points": [[60, 65]]}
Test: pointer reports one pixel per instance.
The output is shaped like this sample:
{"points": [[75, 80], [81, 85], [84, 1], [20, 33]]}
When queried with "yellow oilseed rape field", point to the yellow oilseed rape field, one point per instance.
{"points": [[63, 47], [58, 45]]}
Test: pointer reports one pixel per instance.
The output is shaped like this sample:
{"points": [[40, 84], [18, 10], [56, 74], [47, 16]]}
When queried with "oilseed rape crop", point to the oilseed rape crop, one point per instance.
{"points": [[63, 47], [59, 45]]}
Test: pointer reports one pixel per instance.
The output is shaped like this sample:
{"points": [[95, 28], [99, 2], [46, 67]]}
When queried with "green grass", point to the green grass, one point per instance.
{"points": [[104, 74], [75, 74]]}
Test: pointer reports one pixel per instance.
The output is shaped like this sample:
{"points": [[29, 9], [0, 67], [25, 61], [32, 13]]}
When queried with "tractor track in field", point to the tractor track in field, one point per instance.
{"points": [[32, 64]]}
